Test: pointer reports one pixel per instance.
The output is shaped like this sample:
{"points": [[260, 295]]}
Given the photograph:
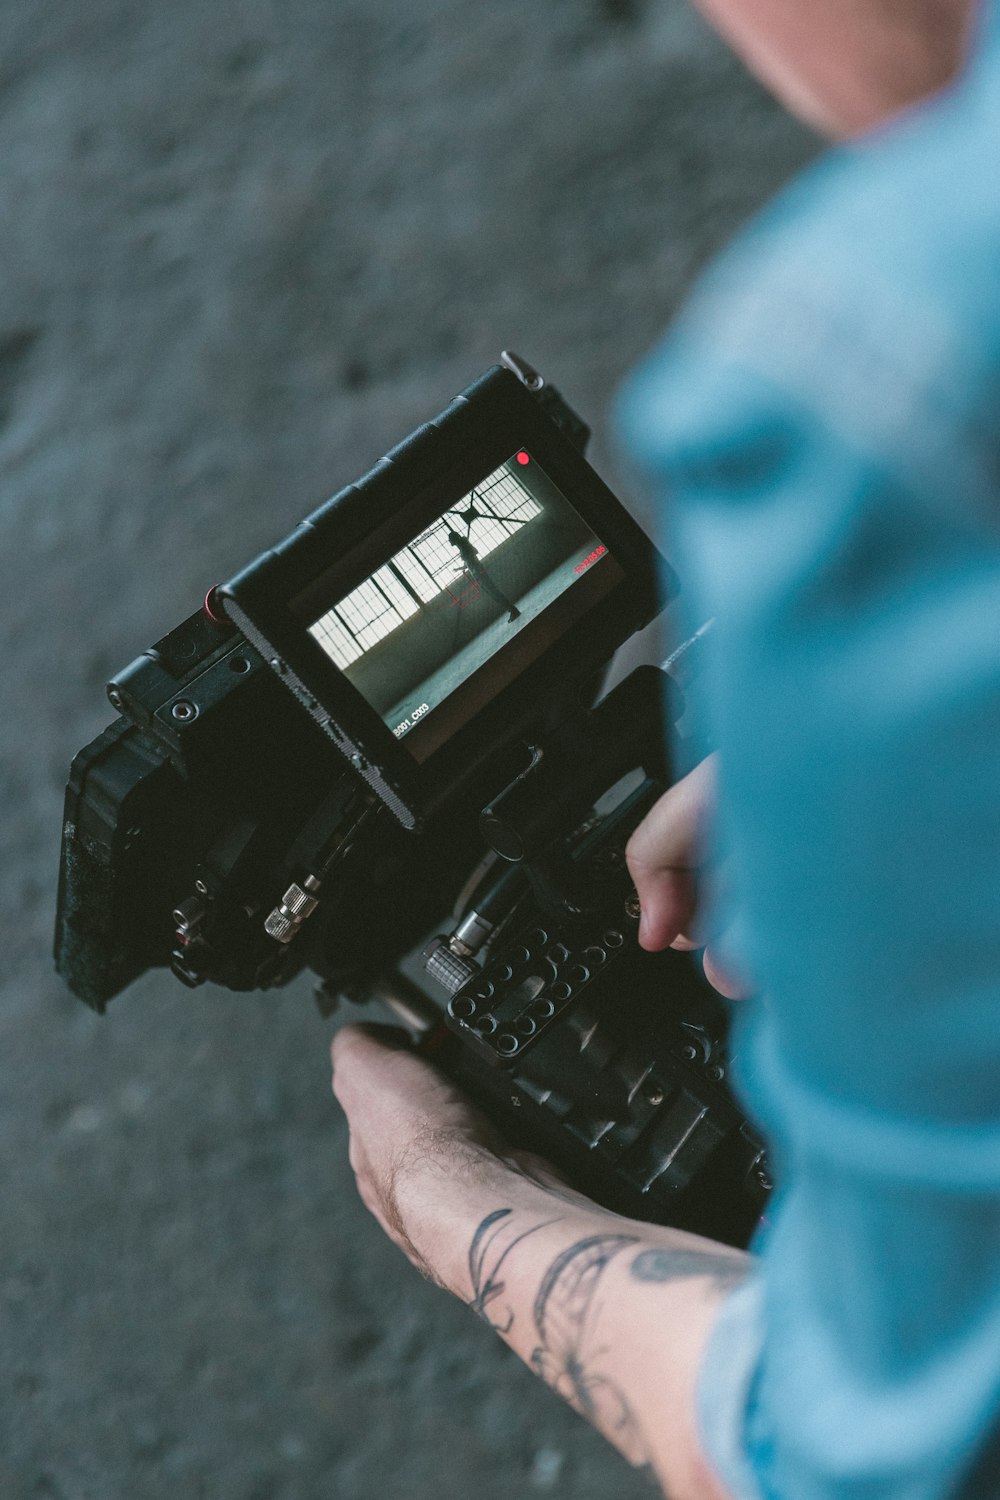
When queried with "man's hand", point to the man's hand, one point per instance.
{"points": [[411, 1132], [612, 1313], [663, 858]]}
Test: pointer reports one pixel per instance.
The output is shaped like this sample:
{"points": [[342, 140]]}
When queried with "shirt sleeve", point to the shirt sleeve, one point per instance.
{"points": [[725, 1389], [823, 431]]}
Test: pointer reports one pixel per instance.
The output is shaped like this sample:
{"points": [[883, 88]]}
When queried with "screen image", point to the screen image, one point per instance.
{"points": [[459, 592]]}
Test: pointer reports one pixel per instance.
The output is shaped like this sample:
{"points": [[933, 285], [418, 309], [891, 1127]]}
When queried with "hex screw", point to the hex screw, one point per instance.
{"points": [[184, 711]]}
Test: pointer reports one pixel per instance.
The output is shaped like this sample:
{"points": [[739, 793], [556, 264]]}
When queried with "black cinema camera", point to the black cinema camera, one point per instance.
{"points": [[444, 623]]}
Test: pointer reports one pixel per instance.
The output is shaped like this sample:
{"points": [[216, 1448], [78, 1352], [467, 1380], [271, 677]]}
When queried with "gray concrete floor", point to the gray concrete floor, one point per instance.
{"points": [[245, 248]]}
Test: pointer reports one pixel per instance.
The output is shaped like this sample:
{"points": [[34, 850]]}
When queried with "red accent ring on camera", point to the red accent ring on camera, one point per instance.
{"points": [[212, 611]]}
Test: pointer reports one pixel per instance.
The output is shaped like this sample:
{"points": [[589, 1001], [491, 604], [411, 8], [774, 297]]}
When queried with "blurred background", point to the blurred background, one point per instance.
{"points": [[244, 248]]}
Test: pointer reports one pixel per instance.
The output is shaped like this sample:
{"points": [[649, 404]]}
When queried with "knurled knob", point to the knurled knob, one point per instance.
{"points": [[450, 971]]}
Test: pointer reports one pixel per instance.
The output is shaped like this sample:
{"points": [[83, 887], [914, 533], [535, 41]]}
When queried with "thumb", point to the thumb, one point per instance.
{"points": [[662, 857]]}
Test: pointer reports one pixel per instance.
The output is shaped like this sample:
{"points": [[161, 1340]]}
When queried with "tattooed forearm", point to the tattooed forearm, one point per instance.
{"points": [[579, 1321], [678, 1265], [562, 1317], [486, 1256]]}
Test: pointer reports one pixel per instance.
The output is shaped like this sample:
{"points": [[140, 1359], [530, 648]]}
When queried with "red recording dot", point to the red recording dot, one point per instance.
{"points": [[523, 458]]}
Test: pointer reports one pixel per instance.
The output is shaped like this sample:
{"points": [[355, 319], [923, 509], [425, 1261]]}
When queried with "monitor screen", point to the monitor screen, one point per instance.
{"points": [[494, 579]]}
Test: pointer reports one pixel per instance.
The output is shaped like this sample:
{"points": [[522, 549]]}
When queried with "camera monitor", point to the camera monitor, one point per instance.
{"points": [[426, 612], [460, 594]]}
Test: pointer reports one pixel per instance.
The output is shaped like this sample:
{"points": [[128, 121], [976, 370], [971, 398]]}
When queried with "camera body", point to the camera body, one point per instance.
{"points": [[375, 753]]}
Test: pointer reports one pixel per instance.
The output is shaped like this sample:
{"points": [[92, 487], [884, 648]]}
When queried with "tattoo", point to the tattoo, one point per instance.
{"points": [[562, 1314], [485, 1285], [679, 1265]]}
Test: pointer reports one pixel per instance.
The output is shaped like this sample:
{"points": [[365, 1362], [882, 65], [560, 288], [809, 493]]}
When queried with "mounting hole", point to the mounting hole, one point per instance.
{"points": [[577, 973], [507, 1044], [463, 1007], [526, 1026], [613, 938], [595, 956], [558, 953], [561, 990], [486, 1025], [520, 954], [502, 973], [537, 939], [239, 665], [543, 1009]]}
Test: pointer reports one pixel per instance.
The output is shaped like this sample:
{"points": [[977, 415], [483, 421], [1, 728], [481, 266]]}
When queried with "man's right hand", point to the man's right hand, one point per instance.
{"points": [[663, 857]]}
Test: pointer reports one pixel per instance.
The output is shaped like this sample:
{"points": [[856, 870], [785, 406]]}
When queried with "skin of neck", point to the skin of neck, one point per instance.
{"points": [[845, 67]]}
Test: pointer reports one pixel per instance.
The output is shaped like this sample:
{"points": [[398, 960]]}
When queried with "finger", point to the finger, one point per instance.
{"points": [[662, 855], [363, 1039], [684, 944], [722, 979], [667, 900]]}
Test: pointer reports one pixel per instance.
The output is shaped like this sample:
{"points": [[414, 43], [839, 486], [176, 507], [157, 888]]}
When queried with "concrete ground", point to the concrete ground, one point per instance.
{"points": [[244, 248]]}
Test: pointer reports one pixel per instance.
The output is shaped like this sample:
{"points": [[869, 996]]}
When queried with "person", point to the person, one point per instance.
{"points": [[823, 424], [479, 573]]}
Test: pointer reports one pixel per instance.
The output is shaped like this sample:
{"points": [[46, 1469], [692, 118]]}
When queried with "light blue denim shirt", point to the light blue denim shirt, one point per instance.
{"points": [[823, 426]]}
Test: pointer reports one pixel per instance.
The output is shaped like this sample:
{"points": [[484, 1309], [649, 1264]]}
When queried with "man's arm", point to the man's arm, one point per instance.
{"points": [[612, 1313]]}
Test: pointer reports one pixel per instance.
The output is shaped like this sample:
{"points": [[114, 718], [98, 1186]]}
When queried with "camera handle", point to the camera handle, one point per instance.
{"points": [[527, 823], [580, 762]]}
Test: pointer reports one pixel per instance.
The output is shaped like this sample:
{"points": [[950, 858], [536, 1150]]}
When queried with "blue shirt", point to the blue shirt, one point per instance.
{"points": [[823, 425]]}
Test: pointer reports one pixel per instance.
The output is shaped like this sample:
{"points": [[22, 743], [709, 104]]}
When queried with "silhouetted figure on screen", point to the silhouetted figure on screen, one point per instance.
{"points": [[477, 570]]}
